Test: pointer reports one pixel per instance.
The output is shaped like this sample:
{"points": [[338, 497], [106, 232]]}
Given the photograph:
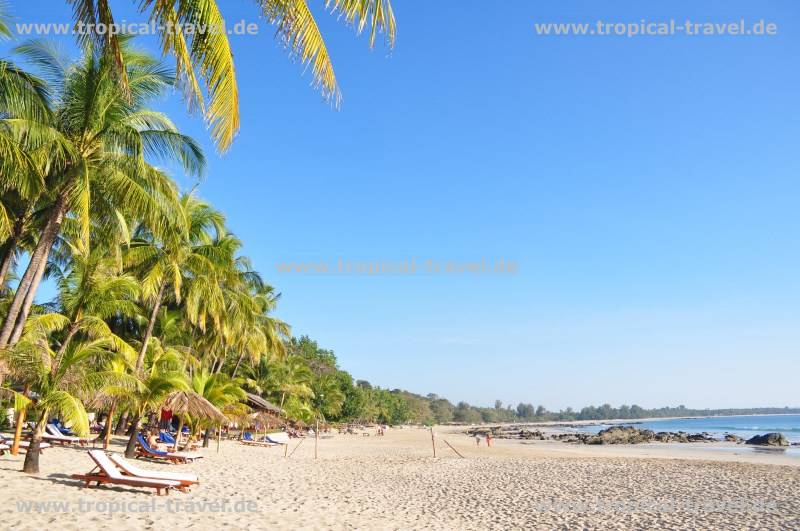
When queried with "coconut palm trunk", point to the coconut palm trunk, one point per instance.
{"points": [[238, 363], [107, 427], [10, 248], [122, 424], [73, 329], [148, 333], [31, 465], [130, 449], [29, 284]]}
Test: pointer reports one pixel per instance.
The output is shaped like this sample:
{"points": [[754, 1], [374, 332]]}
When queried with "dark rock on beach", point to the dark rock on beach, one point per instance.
{"points": [[612, 435], [631, 435], [621, 435], [769, 439], [507, 432]]}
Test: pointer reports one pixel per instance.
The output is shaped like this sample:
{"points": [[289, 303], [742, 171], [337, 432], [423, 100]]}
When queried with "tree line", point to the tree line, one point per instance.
{"points": [[341, 398]]}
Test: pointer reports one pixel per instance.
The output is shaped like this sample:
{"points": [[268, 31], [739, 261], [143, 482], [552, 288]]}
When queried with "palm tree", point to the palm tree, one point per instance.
{"points": [[328, 396], [60, 384], [162, 261], [219, 389], [207, 54], [289, 381], [98, 137], [285, 380], [163, 374], [93, 291]]}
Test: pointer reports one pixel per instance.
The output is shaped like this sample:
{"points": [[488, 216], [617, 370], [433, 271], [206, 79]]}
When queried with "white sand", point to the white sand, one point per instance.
{"points": [[393, 482]]}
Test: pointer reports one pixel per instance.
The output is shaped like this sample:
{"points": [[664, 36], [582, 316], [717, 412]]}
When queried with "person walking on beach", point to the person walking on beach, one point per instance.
{"points": [[489, 440]]}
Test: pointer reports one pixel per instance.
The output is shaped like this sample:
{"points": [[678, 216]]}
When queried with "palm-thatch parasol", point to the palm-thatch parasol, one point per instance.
{"points": [[190, 403], [266, 418], [258, 403]]}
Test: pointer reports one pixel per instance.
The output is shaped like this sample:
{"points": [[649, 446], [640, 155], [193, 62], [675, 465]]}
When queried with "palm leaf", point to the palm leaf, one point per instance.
{"points": [[69, 409], [377, 13], [299, 32]]}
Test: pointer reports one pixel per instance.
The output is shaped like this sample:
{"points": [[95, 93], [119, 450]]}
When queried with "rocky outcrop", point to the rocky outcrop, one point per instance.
{"points": [[507, 432], [570, 437], [612, 435], [729, 437], [683, 437], [621, 435], [631, 435], [769, 439]]}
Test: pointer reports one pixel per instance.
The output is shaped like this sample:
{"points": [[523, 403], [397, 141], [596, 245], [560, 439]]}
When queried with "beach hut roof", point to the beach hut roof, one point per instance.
{"points": [[256, 402]]}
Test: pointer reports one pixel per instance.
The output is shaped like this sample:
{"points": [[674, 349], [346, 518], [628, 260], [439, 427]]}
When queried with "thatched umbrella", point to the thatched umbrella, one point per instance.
{"points": [[261, 404], [266, 418], [190, 403]]}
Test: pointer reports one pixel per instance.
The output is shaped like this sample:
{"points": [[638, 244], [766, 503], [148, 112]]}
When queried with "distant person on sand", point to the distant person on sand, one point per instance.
{"points": [[478, 440], [489, 440]]}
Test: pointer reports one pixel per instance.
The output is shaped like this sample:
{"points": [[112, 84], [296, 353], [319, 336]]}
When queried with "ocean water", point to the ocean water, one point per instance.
{"points": [[745, 426]]}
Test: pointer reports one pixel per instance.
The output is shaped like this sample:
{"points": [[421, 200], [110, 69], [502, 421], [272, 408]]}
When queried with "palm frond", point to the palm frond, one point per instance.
{"points": [[377, 13], [299, 33]]}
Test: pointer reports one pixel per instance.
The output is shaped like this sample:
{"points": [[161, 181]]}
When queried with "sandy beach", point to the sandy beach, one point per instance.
{"points": [[393, 482]]}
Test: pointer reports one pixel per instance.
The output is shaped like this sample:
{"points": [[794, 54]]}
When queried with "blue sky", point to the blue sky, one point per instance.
{"points": [[647, 187]]}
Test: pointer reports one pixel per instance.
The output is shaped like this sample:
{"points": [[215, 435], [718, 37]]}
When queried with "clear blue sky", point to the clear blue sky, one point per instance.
{"points": [[647, 187]]}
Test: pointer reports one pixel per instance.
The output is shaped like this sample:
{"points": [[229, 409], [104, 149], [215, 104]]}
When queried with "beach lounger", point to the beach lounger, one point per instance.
{"points": [[23, 445], [54, 435], [167, 438], [107, 472], [62, 430], [247, 438], [280, 437], [186, 479], [144, 450]]}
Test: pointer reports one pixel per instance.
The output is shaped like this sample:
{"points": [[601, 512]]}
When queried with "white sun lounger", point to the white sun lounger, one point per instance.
{"points": [[54, 434], [107, 472], [186, 479], [23, 445], [280, 437]]}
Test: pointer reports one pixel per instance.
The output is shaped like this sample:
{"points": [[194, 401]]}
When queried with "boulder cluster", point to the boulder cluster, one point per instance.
{"points": [[769, 439], [621, 435], [631, 435]]}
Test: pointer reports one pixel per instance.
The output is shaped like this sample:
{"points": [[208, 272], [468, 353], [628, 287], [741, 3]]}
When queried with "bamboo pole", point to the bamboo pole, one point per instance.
{"points": [[219, 436], [451, 447], [18, 432], [316, 439], [296, 447], [285, 449], [433, 442], [20, 423]]}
